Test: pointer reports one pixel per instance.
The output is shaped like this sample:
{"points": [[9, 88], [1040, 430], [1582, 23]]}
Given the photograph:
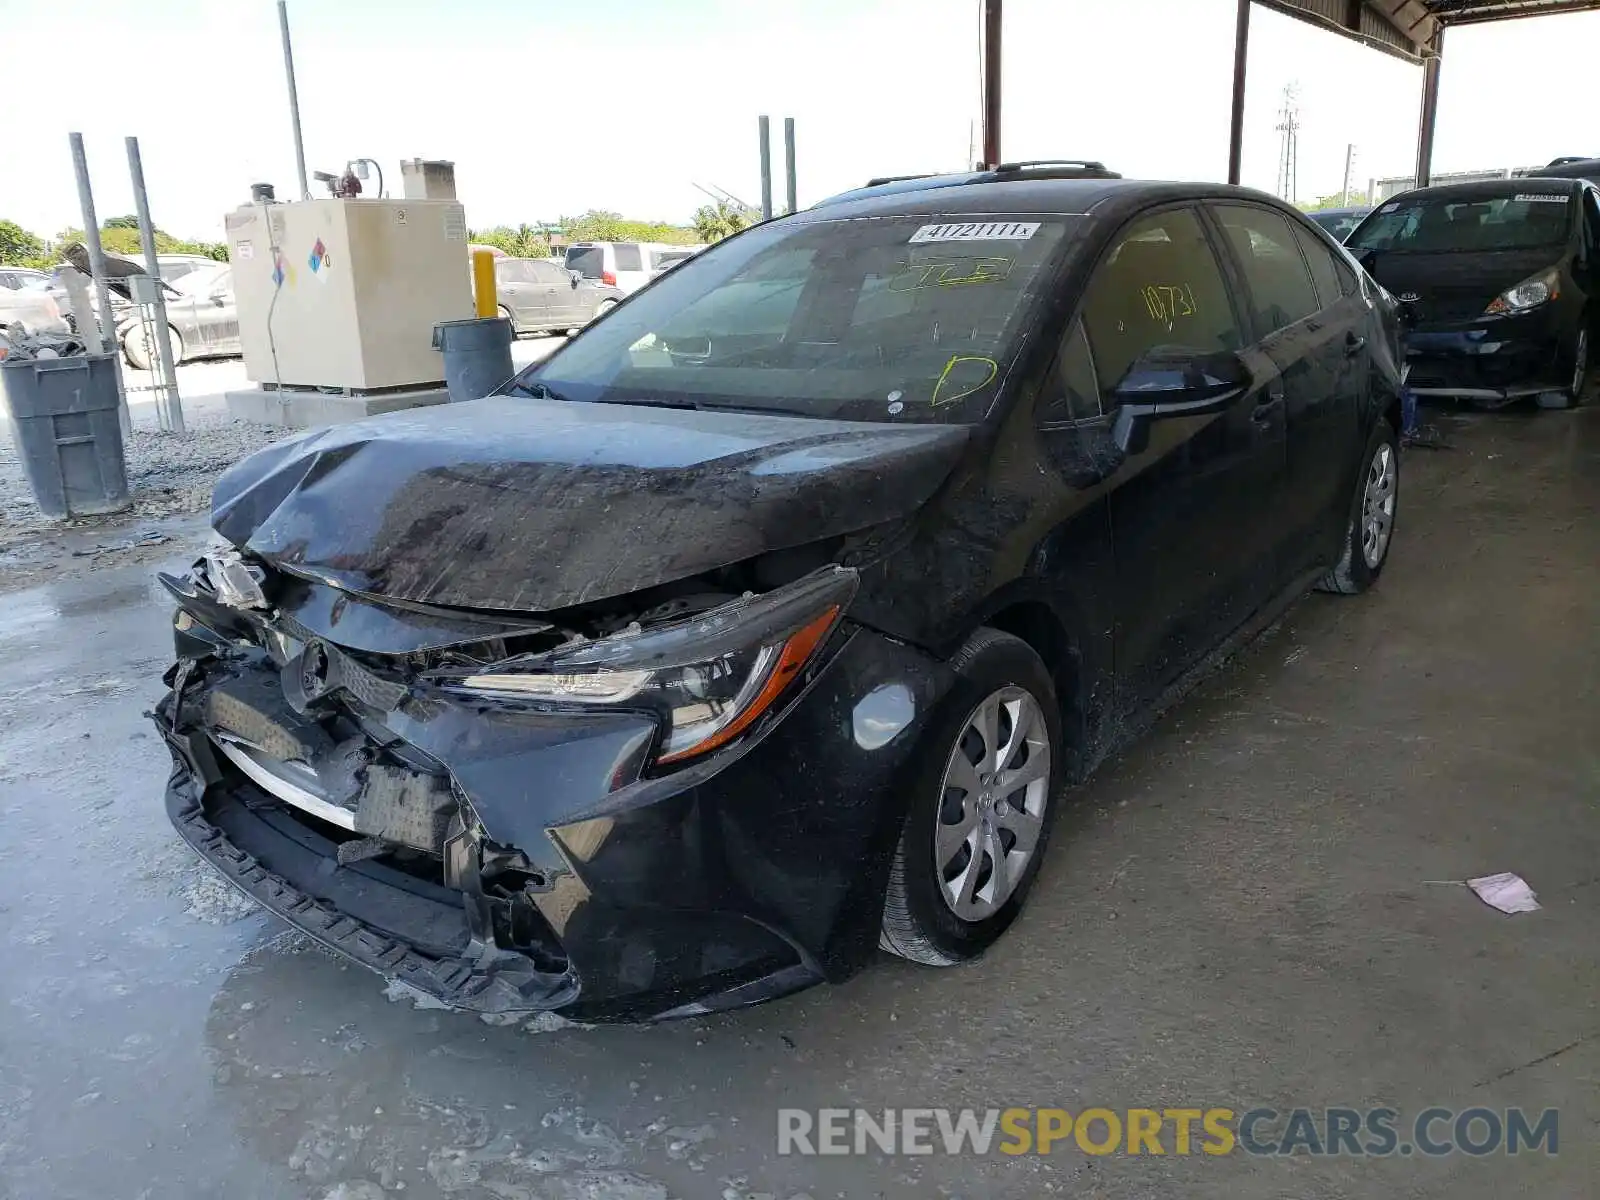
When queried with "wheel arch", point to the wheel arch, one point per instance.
{"points": [[1037, 623]]}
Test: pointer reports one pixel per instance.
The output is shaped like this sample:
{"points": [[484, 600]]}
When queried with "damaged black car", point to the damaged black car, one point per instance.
{"points": [[762, 624], [1501, 281]]}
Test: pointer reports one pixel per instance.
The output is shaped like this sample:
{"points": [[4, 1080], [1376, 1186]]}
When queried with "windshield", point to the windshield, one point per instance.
{"points": [[1520, 221], [881, 319]]}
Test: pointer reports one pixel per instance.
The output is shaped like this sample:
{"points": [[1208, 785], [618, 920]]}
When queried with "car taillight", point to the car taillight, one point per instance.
{"points": [[608, 278]]}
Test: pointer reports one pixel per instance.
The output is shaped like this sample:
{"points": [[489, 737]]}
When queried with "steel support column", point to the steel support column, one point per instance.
{"points": [[1430, 109], [991, 83], [1241, 51]]}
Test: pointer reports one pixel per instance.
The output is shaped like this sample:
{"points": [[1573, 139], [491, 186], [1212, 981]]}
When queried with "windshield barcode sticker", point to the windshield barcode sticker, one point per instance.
{"points": [[1540, 198], [977, 231]]}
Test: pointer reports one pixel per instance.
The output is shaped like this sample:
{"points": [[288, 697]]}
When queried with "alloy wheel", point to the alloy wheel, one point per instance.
{"points": [[996, 786], [1377, 506]]}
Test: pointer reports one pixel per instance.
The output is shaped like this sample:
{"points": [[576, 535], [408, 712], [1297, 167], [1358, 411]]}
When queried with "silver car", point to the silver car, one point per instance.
{"points": [[202, 316]]}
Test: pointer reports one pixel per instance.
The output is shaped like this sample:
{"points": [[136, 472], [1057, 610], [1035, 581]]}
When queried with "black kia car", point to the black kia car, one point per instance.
{"points": [[1503, 284], [762, 624]]}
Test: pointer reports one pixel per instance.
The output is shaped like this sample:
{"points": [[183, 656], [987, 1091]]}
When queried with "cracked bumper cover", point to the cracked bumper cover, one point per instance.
{"points": [[735, 880]]}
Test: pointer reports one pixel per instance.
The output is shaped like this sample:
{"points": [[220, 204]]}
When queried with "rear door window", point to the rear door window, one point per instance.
{"points": [[629, 257], [1160, 286], [1281, 291], [1324, 271]]}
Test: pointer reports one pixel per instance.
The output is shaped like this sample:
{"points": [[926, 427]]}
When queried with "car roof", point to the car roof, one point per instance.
{"points": [[1569, 168], [888, 185], [1025, 194], [1489, 187]]}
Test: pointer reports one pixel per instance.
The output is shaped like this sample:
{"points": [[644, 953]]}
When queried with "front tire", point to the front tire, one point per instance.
{"points": [[140, 353], [982, 805], [1370, 531], [1572, 396]]}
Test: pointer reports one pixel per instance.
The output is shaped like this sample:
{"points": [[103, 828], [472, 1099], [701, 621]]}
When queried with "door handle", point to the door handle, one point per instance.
{"points": [[1263, 413], [1354, 344]]}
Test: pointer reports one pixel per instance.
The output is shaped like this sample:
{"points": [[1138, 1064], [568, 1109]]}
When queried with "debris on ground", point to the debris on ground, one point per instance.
{"points": [[1505, 891], [150, 537]]}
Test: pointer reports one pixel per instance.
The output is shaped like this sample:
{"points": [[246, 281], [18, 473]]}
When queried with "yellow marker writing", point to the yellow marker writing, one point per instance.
{"points": [[960, 391]]}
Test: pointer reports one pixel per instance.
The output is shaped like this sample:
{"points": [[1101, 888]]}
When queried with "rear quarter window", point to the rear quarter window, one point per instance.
{"points": [[628, 257]]}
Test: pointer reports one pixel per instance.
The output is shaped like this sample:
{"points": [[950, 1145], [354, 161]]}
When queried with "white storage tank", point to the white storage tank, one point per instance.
{"points": [[345, 293]]}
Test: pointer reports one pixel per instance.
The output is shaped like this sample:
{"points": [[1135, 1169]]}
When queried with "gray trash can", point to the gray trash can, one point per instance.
{"points": [[477, 355], [63, 414]]}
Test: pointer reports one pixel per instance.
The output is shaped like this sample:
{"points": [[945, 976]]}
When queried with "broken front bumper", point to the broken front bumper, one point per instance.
{"points": [[1502, 358], [562, 875]]}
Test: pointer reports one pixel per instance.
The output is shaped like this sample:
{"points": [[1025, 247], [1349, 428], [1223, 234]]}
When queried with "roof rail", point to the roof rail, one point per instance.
{"points": [[882, 179], [1570, 158], [1086, 164]]}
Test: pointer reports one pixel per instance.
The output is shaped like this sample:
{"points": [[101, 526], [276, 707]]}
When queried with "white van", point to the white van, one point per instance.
{"points": [[625, 265]]}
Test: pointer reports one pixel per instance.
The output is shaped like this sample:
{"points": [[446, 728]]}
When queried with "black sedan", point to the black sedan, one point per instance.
{"points": [[1501, 280], [762, 624]]}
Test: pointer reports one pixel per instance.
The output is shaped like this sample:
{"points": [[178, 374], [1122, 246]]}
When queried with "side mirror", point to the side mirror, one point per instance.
{"points": [[576, 277], [1173, 381], [220, 298]]}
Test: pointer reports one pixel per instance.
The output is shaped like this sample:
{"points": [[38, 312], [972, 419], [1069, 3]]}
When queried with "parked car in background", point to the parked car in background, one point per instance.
{"points": [[16, 278], [537, 296], [1570, 167], [1339, 221], [202, 318], [738, 640], [626, 266], [665, 260], [173, 267], [32, 310], [1503, 283]]}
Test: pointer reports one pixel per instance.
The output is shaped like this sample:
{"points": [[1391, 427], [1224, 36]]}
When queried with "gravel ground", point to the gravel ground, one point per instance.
{"points": [[170, 477]]}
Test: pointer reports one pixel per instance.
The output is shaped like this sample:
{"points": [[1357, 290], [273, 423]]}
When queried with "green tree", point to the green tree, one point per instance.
{"points": [[19, 248], [128, 222], [713, 222], [599, 226], [120, 239], [1336, 200]]}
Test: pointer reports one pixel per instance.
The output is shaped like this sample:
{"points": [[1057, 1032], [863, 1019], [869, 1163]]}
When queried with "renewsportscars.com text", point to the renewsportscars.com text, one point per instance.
{"points": [[1365, 1132]]}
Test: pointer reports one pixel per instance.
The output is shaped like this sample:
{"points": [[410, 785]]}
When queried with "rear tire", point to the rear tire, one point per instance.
{"points": [[1370, 529], [1002, 714]]}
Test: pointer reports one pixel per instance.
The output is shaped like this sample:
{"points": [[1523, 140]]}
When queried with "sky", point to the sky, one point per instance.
{"points": [[550, 109]]}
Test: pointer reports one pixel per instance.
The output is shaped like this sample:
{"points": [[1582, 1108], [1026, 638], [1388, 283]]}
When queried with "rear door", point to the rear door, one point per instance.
{"points": [[1193, 516], [1315, 335]]}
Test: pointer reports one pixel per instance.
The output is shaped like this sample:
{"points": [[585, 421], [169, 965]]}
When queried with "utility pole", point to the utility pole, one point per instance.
{"points": [[294, 100], [1288, 145], [1349, 160], [764, 128]]}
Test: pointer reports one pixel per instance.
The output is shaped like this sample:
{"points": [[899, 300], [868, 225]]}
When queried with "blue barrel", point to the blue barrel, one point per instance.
{"points": [[477, 355], [64, 422]]}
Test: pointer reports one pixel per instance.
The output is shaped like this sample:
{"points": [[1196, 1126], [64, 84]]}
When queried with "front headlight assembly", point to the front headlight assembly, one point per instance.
{"points": [[1530, 293], [708, 678]]}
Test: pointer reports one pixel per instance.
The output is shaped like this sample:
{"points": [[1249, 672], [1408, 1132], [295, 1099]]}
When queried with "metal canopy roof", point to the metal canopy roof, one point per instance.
{"points": [[1410, 28]]}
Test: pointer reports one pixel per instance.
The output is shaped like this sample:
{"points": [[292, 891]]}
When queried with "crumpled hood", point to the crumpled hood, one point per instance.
{"points": [[536, 505]]}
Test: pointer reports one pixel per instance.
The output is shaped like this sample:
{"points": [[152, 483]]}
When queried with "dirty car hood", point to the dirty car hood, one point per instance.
{"points": [[536, 505]]}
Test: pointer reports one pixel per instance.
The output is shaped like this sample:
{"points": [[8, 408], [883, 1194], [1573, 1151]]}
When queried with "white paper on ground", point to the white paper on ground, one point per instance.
{"points": [[1505, 891]]}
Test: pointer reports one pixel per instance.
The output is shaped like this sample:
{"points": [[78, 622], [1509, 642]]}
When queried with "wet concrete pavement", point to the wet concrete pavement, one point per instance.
{"points": [[1237, 913]]}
